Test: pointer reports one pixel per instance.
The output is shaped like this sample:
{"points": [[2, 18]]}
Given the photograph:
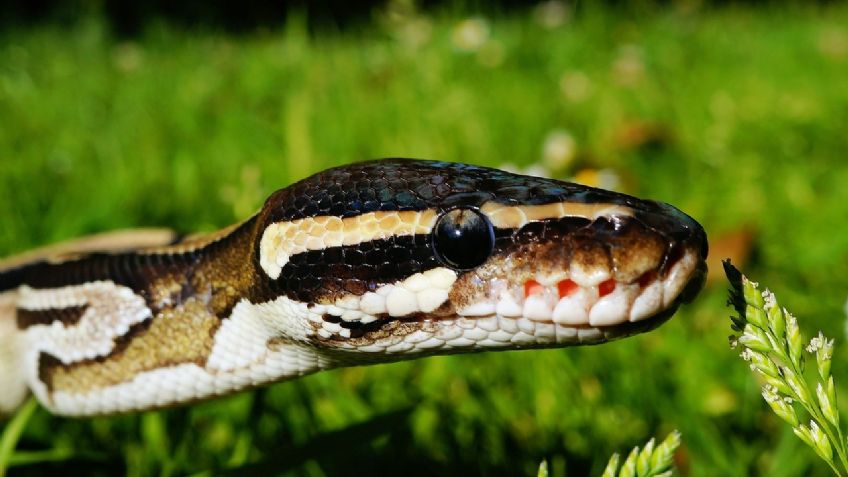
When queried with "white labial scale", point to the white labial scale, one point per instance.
{"points": [[421, 292], [523, 339], [507, 306], [526, 326], [538, 307], [373, 303], [331, 309], [461, 342], [351, 315], [545, 333], [490, 343], [502, 336], [417, 282], [430, 343], [441, 277], [484, 308], [430, 299], [401, 347], [510, 325], [612, 309], [648, 302], [574, 308], [565, 334], [676, 279], [418, 336], [465, 323], [348, 302], [490, 323], [475, 334], [401, 302], [589, 335], [448, 332], [111, 311]]}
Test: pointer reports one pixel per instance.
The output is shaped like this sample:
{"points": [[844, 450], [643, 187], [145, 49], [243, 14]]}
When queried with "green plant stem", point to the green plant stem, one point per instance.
{"points": [[13, 431]]}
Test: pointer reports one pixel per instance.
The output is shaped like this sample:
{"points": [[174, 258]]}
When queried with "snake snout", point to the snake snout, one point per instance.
{"points": [[676, 225]]}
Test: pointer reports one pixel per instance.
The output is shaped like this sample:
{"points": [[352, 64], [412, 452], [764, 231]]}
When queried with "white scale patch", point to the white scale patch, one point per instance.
{"points": [[242, 338], [241, 357], [186, 382], [112, 310], [420, 293]]}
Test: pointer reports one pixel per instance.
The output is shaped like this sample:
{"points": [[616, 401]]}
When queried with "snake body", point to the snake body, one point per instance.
{"points": [[367, 263]]}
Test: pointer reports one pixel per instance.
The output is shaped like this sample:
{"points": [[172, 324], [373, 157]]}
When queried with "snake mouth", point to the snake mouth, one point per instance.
{"points": [[548, 283], [595, 309], [587, 314]]}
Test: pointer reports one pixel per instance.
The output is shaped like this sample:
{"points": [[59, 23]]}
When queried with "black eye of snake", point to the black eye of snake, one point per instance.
{"points": [[463, 238]]}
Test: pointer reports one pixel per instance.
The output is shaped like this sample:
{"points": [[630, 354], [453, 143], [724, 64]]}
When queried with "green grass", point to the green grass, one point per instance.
{"points": [[193, 130]]}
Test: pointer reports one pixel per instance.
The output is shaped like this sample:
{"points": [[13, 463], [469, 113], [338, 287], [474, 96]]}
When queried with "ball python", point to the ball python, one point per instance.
{"points": [[367, 263]]}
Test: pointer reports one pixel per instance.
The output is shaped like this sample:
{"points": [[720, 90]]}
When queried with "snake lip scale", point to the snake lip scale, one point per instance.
{"points": [[367, 263]]}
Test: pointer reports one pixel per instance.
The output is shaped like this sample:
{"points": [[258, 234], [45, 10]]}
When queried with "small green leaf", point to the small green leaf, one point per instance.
{"points": [[612, 466], [543, 469]]}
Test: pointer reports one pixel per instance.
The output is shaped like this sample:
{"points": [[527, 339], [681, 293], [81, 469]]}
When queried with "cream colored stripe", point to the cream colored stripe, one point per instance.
{"points": [[284, 239], [514, 216]]}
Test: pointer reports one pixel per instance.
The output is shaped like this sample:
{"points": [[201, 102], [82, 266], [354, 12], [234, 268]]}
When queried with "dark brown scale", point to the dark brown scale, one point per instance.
{"points": [[68, 316], [404, 184]]}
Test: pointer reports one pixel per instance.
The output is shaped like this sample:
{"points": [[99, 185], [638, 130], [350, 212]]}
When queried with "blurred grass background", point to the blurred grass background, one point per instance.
{"points": [[736, 113]]}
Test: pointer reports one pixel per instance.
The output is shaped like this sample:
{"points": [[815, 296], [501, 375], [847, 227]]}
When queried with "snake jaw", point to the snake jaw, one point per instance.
{"points": [[497, 306], [552, 280]]}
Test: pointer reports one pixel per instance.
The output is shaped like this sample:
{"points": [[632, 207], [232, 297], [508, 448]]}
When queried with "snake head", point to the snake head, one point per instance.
{"points": [[419, 257]]}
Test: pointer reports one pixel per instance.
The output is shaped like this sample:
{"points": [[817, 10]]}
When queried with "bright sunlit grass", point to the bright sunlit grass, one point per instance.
{"points": [[736, 115]]}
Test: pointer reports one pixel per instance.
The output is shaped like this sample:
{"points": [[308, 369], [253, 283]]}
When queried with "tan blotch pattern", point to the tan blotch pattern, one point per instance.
{"points": [[182, 335]]}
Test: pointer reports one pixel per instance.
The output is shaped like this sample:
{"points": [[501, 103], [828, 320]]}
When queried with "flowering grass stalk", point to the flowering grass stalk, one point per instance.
{"points": [[772, 343], [652, 461], [648, 462]]}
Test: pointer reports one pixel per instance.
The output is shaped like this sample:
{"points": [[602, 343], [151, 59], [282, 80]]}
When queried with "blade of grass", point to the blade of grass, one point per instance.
{"points": [[13, 431]]}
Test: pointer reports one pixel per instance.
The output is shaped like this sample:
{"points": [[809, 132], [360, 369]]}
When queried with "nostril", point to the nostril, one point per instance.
{"points": [[566, 287], [532, 287], [606, 287]]}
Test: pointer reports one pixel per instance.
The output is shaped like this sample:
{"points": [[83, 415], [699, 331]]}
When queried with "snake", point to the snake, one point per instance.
{"points": [[371, 262]]}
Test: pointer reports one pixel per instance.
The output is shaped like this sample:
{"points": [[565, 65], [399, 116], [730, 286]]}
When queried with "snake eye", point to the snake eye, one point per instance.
{"points": [[463, 238]]}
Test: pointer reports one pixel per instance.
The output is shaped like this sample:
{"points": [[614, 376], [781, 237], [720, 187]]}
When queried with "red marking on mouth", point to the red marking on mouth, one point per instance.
{"points": [[606, 287], [566, 287], [532, 287]]}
